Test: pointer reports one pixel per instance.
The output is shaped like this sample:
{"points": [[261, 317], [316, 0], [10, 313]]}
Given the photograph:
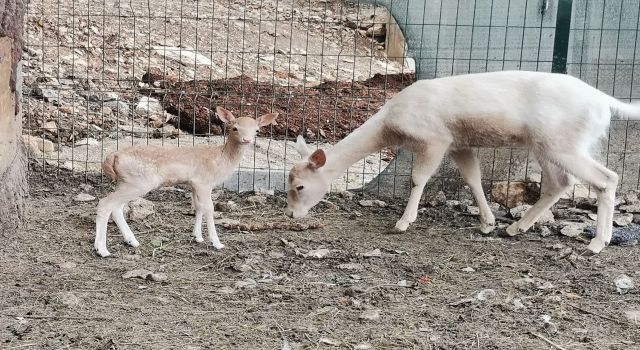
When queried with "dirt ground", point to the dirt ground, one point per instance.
{"points": [[440, 286]]}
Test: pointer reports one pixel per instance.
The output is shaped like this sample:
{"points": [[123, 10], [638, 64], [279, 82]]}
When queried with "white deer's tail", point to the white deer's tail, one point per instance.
{"points": [[625, 111]]}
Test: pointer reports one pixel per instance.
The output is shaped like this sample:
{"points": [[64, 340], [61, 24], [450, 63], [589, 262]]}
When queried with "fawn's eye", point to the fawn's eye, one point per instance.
{"points": [[234, 129], [299, 188]]}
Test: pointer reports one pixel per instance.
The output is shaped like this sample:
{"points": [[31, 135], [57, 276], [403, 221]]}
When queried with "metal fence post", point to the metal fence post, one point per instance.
{"points": [[561, 42]]}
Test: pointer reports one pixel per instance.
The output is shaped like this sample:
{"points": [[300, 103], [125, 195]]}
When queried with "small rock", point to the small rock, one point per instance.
{"points": [[370, 315], [486, 294], [346, 195], [437, 200], [318, 253], [573, 229], [138, 273], [226, 207], [452, 203], [157, 277], [623, 283], [37, 144], [120, 107], [376, 253], [148, 105], [633, 316], [83, 197], [67, 265], [545, 231], [87, 142], [632, 197], [473, 210], [372, 203], [631, 208], [139, 209], [248, 283], [518, 212], [69, 299], [225, 290], [468, 269], [517, 304], [257, 200], [50, 126], [622, 220], [548, 325], [362, 346], [350, 267], [329, 341]]}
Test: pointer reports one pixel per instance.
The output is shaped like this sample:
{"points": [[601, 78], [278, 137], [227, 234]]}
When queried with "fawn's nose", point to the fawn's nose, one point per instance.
{"points": [[247, 140]]}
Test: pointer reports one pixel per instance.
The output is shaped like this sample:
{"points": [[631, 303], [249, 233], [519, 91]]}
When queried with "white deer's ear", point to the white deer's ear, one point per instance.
{"points": [[301, 147]]}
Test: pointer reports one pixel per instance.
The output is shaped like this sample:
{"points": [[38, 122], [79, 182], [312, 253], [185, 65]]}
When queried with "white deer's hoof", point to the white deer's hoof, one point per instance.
{"points": [[513, 229], [401, 226], [218, 246], [199, 239], [487, 228], [103, 252], [596, 246]]}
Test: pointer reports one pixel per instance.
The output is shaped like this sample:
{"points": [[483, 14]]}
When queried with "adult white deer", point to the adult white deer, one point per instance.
{"points": [[558, 117]]}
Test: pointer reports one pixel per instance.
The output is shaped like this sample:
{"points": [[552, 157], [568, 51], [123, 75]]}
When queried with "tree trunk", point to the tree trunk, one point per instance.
{"points": [[13, 180]]}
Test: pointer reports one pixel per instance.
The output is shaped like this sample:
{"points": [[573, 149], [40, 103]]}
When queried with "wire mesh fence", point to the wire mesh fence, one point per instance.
{"points": [[102, 75]]}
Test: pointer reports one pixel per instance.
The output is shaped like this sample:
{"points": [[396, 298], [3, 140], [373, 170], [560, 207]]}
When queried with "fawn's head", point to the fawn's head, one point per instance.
{"points": [[243, 130]]}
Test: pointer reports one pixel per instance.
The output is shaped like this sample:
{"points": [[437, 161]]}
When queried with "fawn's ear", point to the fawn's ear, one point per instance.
{"points": [[317, 159], [301, 147], [224, 115], [267, 119]]}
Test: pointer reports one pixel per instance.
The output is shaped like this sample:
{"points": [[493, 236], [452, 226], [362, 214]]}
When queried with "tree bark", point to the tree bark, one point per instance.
{"points": [[13, 164]]}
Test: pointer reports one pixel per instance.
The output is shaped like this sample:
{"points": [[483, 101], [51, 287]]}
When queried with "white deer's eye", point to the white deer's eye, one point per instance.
{"points": [[234, 129], [299, 188]]}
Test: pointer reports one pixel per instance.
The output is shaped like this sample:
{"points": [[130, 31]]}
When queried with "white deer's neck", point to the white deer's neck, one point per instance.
{"points": [[363, 141]]}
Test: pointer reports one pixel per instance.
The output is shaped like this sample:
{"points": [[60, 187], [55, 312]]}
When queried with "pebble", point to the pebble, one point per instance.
{"points": [[83, 197], [623, 283], [486, 294], [623, 219], [373, 203], [376, 253], [370, 315], [318, 253]]}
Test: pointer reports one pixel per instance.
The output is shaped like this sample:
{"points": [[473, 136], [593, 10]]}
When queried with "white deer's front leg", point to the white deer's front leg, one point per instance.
{"points": [[211, 227], [424, 167]]}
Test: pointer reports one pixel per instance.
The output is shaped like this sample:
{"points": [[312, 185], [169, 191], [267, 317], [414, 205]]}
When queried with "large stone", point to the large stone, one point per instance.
{"points": [[514, 193], [519, 211], [37, 144], [148, 106], [139, 209]]}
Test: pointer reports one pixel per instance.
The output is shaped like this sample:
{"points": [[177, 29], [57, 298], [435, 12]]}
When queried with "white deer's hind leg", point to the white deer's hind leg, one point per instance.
{"points": [[424, 166], [467, 163], [555, 182], [604, 181]]}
